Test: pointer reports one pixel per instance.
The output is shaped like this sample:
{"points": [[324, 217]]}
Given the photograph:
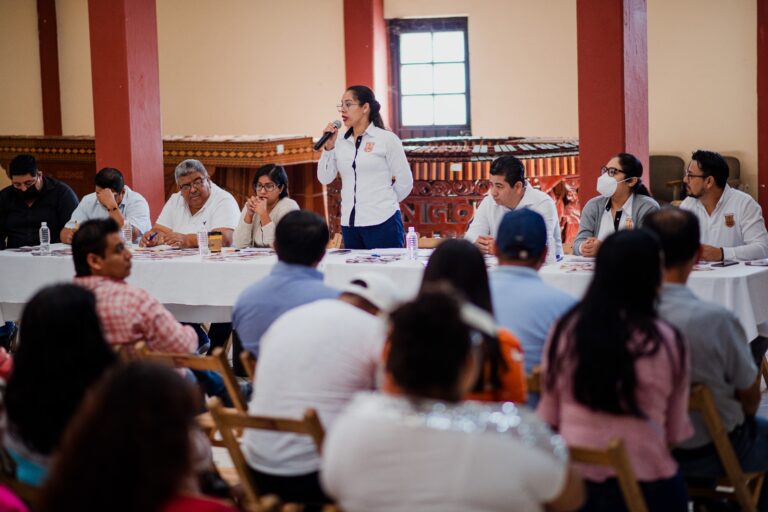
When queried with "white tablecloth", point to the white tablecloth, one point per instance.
{"points": [[740, 288], [196, 290], [192, 289]]}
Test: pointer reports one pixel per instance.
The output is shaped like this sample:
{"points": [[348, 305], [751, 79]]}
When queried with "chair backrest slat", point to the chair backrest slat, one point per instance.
{"points": [[229, 420], [701, 401], [615, 457], [216, 362]]}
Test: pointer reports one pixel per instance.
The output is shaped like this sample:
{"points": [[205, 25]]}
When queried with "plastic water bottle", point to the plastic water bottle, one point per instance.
{"points": [[412, 243], [127, 233], [202, 242], [45, 239]]}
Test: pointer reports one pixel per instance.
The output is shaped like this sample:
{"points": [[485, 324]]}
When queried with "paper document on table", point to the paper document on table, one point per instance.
{"points": [[758, 263], [580, 259], [156, 248]]}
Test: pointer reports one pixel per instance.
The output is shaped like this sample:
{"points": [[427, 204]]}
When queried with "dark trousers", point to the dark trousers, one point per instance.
{"points": [[293, 489], [211, 382], [387, 235], [668, 495]]}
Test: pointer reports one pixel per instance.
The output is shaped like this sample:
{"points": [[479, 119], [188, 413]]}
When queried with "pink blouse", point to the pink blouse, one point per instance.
{"points": [[662, 394]]}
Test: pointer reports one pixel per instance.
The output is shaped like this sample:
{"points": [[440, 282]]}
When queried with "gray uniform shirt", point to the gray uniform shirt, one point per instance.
{"points": [[720, 354], [589, 224]]}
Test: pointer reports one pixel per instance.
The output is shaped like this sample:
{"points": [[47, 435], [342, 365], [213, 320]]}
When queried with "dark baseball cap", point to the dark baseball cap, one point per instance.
{"points": [[522, 235]]}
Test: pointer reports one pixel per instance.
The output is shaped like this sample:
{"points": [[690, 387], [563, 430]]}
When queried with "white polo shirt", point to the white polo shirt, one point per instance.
{"points": [[219, 211], [367, 167], [489, 214], [736, 225], [133, 207], [317, 355]]}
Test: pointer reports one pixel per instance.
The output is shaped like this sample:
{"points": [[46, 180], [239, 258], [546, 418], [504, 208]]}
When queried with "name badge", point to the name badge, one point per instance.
{"points": [[369, 147], [730, 220]]}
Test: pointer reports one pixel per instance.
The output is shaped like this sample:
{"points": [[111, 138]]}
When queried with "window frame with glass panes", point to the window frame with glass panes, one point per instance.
{"points": [[423, 71]]}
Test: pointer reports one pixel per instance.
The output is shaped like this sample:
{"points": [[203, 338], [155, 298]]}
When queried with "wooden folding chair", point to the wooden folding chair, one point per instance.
{"points": [[249, 364], [216, 362], [533, 381], [229, 422], [616, 458], [736, 485]]}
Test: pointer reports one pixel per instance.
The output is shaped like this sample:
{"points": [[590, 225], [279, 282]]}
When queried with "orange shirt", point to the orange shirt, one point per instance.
{"points": [[513, 387]]}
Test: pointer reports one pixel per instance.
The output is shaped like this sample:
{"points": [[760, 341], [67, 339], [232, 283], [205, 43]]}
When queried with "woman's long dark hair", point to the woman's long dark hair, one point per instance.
{"points": [[61, 353], [613, 325], [462, 265], [633, 168], [129, 449], [365, 95]]}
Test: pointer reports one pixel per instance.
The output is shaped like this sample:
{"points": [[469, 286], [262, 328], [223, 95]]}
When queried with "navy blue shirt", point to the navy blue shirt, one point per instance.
{"points": [[286, 287], [20, 223]]}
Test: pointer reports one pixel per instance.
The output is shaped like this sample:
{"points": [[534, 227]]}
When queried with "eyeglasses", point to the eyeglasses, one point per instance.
{"points": [[611, 171], [689, 175], [198, 184], [269, 187], [25, 184], [345, 106]]}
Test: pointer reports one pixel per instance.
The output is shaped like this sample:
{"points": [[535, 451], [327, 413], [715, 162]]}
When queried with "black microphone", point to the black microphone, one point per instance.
{"points": [[326, 136]]}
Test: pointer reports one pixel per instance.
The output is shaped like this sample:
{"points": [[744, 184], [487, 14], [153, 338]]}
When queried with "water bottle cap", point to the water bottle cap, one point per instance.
{"points": [[411, 229], [44, 224]]}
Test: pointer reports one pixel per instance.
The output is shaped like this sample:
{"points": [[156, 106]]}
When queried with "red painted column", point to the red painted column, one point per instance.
{"points": [[49, 66], [126, 93], [762, 105], [366, 48], [613, 85]]}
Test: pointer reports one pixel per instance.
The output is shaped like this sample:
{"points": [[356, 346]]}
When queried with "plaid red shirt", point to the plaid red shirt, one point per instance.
{"points": [[129, 314]]}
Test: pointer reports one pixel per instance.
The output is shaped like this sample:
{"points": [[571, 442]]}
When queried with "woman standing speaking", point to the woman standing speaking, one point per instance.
{"points": [[375, 175]]}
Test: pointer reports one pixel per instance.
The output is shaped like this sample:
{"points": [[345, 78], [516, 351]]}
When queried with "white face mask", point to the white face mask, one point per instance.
{"points": [[606, 185]]}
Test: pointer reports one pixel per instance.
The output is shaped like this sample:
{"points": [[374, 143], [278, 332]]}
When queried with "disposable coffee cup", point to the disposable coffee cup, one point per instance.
{"points": [[215, 240]]}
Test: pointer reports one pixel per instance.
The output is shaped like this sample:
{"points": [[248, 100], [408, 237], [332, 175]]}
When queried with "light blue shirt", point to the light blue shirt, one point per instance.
{"points": [[134, 208], [528, 307], [286, 287]]}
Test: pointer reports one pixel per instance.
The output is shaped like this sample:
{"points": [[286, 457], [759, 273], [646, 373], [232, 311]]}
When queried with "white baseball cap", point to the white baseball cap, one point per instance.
{"points": [[376, 288]]}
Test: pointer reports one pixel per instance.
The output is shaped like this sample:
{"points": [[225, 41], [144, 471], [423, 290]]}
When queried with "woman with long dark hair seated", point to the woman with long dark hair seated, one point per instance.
{"points": [[265, 208], [461, 264], [623, 203], [62, 353], [420, 448], [132, 448], [613, 369]]}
